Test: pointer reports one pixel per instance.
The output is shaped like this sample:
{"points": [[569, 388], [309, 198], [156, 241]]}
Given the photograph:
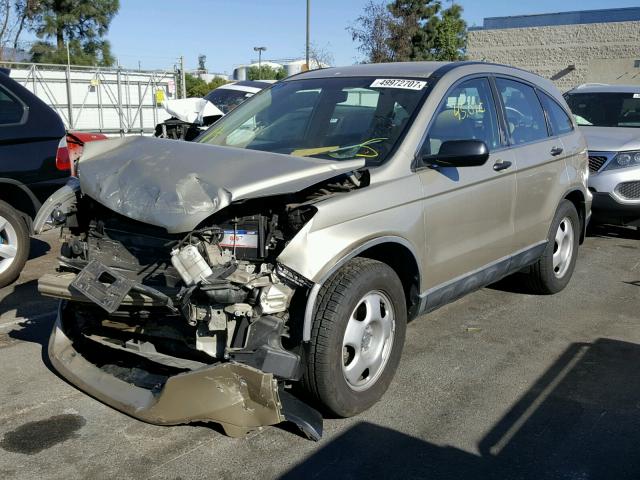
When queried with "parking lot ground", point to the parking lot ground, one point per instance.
{"points": [[500, 384]]}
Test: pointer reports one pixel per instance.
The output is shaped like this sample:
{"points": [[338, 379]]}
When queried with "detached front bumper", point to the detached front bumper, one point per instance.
{"points": [[238, 397]]}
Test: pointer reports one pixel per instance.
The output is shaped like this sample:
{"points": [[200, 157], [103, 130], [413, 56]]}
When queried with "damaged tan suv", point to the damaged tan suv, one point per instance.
{"points": [[280, 255]]}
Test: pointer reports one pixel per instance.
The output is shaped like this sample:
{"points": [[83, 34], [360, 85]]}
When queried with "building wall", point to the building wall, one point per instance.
{"points": [[601, 52]]}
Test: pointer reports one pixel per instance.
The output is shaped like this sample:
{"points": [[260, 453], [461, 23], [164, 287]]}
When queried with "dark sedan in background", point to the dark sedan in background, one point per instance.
{"points": [[34, 162]]}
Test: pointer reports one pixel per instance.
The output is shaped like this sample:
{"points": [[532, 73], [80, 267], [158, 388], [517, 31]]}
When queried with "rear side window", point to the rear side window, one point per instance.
{"points": [[467, 112], [560, 121], [525, 116], [11, 109]]}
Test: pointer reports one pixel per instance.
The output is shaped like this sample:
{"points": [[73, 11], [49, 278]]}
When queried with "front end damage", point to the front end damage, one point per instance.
{"points": [[238, 397], [197, 326]]}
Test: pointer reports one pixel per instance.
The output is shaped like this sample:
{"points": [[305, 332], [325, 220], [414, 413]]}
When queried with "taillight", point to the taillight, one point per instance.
{"points": [[63, 161]]}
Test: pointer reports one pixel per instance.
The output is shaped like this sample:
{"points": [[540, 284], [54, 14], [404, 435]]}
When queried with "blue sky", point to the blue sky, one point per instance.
{"points": [[158, 32]]}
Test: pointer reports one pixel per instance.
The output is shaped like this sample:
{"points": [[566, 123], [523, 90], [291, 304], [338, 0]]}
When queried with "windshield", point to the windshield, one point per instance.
{"points": [[226, 99], [604, 109], [335, 118]]}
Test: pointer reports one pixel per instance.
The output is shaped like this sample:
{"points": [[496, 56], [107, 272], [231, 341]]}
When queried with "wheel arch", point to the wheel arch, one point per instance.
{"points": [[577, 197], [396, 252], [20, 198]]}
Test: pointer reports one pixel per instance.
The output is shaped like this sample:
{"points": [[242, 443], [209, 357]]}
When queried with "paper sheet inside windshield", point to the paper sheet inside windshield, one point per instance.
{"points": [[398, 83]]}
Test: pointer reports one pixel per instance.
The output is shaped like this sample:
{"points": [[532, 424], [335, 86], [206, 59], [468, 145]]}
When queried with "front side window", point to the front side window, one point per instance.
{"points": [[558, 118], [466, 113], [330, 118], [11, 109], [605, 109], [525, 117]]}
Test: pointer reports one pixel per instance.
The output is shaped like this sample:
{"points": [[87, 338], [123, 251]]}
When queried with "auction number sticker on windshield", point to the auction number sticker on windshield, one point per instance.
{"points": [[398, 83]]}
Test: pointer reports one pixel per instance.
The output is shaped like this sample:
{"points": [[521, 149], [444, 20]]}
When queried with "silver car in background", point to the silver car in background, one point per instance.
{"points": [[609, 117]]}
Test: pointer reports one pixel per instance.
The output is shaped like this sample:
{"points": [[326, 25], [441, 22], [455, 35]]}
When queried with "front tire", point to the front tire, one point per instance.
{"points": [[357, 337], [14, 244], [553, 270]]}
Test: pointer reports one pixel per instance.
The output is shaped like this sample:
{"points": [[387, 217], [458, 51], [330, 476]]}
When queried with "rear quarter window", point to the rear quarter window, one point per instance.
{"points": [[558, 118], [12, 110]]}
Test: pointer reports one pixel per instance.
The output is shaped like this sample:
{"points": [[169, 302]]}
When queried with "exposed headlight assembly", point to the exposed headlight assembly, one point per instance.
{"points": [[624, 160]]}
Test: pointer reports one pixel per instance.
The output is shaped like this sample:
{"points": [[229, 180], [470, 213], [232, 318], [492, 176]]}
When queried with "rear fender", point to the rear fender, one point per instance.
{"points": [[63, 200]]}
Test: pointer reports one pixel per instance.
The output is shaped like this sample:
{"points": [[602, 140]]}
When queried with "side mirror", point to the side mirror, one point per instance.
{"points": [[459, 153]]}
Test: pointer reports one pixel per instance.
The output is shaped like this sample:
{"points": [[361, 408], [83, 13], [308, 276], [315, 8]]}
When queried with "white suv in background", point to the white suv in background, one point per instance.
{"points": [[609, 117]]}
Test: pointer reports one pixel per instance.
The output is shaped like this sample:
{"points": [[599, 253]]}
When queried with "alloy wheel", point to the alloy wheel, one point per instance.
{"points": [[368, 340], [8, 244], [563, 247]]}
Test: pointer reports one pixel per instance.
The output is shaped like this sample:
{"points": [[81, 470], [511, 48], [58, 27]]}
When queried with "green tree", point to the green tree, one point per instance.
{"points": [[217, 82], [371, 31], [413, 28], [15, 17], [451, 35], [25, 12], [80, 23], [266, 72], [410, 30], [197, 87]]}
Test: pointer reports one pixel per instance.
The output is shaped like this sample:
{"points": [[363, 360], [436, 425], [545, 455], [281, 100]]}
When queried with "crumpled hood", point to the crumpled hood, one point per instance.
{"points": [[176, 185], [611, 139]]}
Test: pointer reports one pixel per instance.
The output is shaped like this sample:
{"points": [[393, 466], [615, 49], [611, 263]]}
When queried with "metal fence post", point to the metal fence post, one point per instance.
{"points": [[141, 103], [69, 96], [128, 100], [99, 97], [33, 78], [154, 87], [119, 82], [183, 81]]}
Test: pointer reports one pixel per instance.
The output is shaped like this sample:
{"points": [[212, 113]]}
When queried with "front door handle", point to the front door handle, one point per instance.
{"points": [[501, 165], [555, 151]]}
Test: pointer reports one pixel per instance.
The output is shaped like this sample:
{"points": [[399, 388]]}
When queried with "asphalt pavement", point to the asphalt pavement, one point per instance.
{"points": [[499, 384]]}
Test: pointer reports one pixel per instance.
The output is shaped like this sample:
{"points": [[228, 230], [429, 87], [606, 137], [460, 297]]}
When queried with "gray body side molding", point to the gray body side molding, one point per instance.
{"points": [[440, 295]]}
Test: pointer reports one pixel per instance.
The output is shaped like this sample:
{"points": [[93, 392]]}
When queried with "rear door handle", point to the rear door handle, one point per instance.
{"points": [[501, 165], [555, 151]]}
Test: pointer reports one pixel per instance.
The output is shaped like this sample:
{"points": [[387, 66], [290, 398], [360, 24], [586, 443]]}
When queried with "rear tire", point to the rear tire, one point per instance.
{"points": [[14, 244], [553, 270], [357, 337]]}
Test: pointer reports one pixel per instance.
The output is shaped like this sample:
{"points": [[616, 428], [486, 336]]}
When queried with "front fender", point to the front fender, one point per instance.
{"points": [[335, 266], [347, 225]]}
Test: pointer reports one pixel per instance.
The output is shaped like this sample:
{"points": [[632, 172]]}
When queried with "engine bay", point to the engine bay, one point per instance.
{"points": [[214, 294]]}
